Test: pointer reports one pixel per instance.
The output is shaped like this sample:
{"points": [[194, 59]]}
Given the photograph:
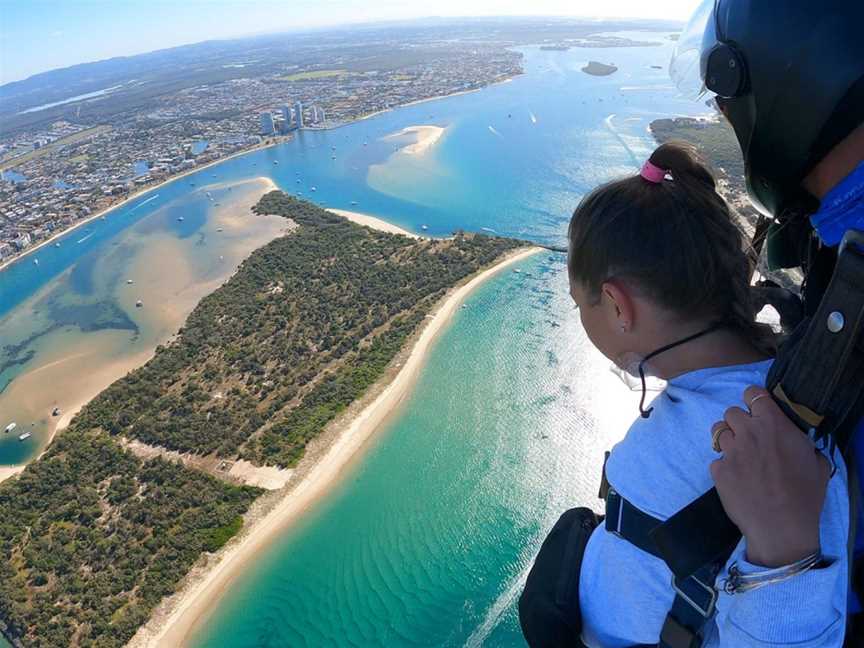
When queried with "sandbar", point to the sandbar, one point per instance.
{"points": [[176, 619], [426, 138], [373, 222]]}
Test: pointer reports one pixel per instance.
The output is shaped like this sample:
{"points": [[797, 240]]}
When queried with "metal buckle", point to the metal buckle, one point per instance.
{"points": [[612, 493], [706, 612]]}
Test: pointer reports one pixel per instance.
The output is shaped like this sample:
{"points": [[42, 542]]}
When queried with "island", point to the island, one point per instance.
{"points": [[284, 371], [595, 68]]}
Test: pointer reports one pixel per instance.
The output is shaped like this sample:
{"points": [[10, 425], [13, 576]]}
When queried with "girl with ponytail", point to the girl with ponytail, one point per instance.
{"points": [[659, 273]]}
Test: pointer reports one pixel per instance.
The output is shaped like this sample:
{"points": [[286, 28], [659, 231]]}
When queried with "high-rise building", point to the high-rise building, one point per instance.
{"points": [[286, 118], [267, 127], [298, 114], [318, 115]]}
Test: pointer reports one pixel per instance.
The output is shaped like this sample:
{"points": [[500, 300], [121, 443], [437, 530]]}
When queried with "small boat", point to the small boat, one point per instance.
{"points": [[333, 157], [354, 202], [218, 229], [215, 204], [298, 180], [275, 161], [221, 258], [129, 281], [139, 304], [517, 270], [314, 188], [179, 218], [10, 427], [56, 245], [424, 227], [24, 436], [55, 411], [36, 261]]}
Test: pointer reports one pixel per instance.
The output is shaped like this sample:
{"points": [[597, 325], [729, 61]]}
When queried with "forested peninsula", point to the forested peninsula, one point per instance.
{"points": [[94, 537]]}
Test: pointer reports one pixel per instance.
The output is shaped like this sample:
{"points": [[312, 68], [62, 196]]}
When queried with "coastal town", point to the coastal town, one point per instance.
{"points": [[58, 173]]}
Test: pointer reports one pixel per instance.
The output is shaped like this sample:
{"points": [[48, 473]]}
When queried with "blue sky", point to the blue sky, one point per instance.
{"points": [[39, 35]]}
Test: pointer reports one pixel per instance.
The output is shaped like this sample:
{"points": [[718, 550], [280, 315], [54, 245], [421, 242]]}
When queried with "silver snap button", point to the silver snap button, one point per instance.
{"points": [[836, 321]]}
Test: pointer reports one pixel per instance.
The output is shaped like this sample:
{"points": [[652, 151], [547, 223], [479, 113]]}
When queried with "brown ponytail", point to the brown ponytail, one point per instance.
{"points": [[675, 239]]}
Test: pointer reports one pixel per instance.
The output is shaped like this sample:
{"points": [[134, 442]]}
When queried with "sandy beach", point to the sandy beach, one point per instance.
{"points": [[174, 621], [427, 136], [371, 221], [84, 364]]}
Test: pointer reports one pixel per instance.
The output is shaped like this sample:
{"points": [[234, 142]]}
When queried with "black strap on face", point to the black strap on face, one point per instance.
{"points": [[646, 413]]}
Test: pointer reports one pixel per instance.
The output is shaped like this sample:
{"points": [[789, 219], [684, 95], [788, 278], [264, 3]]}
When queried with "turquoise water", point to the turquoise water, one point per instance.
{"points": [[427, 540]]}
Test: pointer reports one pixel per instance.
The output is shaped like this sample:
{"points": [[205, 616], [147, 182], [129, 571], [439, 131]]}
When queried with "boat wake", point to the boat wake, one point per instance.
{"points": [[617, 135], [533, 117], [81, 240], [495, 132], [142, 203]]}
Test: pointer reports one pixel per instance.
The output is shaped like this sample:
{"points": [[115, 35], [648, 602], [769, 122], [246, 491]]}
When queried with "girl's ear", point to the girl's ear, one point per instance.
{"points": [[618, 306]]}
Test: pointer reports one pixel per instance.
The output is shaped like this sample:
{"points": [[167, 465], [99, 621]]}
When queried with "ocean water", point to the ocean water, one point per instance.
{"points": [[427, 541]]}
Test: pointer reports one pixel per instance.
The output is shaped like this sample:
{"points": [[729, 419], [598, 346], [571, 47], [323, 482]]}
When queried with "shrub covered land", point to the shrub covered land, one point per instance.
{"points": [[94, 537]]}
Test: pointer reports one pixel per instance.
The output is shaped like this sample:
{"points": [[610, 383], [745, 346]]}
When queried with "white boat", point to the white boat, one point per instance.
{"points": [[56, 245], [10, 427], [22, 437], [353, 202], [36, 261], [314, 188], [517, 270], [275, 161], [129, 281], [218, 229], [139, 304], [55, 411], [424, 227], [179, 218]]}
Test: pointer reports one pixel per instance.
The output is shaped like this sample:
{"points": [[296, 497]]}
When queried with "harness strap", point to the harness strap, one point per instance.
{"points": [[819, 383], [695, 594]]}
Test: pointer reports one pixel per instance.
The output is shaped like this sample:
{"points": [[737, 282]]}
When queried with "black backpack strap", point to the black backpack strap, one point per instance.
{"points": [[817, 376], [695, 594]]}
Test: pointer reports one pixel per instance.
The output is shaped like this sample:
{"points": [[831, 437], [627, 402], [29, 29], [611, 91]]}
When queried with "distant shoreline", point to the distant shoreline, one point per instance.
{"points": [[258, 147], [181, 615], [133, 196]]}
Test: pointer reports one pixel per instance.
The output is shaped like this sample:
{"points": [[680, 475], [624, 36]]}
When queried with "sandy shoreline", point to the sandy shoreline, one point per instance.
{"points": [[174, 624], [133, 196], [93, 380], [371, 221]]}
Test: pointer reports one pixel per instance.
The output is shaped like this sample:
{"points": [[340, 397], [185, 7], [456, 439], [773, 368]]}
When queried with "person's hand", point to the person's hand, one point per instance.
{"points": [[770, 479]]}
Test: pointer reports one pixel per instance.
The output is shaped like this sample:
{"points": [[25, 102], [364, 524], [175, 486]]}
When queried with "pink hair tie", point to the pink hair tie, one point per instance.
{"points": [[652, 173]]}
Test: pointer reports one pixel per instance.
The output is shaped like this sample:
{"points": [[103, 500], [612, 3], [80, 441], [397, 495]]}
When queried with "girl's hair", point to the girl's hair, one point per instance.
{"points": [[674, 241]]}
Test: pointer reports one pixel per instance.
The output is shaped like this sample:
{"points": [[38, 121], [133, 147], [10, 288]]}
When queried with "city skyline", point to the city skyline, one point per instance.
{"points": [[91, 30]]}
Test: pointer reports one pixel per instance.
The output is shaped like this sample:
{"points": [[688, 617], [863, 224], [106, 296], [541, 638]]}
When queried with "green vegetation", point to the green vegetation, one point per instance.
{"points": [[94, 537], [305, 326], [312, 74]]}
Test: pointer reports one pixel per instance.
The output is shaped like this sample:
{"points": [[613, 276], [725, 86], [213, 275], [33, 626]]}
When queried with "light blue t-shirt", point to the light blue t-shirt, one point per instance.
{"points": [[660, 467]]}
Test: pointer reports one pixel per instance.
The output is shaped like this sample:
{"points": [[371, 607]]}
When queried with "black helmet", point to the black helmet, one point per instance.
{"points": [[788, 75]]}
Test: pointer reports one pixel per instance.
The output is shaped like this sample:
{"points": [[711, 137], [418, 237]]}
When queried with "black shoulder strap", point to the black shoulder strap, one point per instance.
{"points": [[817, 378], [695, 595]]}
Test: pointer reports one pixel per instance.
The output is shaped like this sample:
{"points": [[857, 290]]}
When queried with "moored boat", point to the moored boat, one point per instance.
{"points": [[24, 436], [10, 427]]}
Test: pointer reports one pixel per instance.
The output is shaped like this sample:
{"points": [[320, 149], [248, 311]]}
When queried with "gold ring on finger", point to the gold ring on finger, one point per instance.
{"points": [[715, 437]]}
